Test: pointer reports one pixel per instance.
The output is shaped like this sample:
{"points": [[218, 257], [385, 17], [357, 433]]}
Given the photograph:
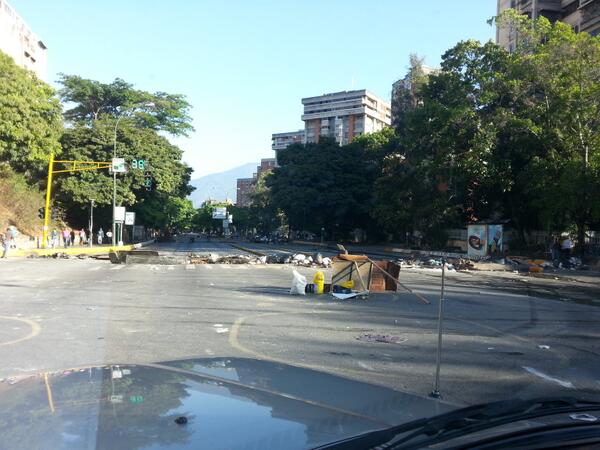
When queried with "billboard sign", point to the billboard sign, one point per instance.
{"points": [[476, 241], [129, 218], [119, 214], [118, 165], [219, 212], [495, 240]]}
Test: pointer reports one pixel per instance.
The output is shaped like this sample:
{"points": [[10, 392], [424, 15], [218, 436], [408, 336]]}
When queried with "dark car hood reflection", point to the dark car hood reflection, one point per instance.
{"points": [[229, 403]]}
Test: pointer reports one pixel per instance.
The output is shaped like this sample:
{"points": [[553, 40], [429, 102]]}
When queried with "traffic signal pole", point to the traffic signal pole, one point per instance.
{"points": [[72, 166], [48, 196]]}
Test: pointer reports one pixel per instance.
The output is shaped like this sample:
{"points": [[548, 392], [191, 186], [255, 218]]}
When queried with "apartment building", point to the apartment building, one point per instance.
{"points": [[344, 115], [266, 165], [245, 187], [582, 15], [283, 140], [18, 41], [404, 88]]}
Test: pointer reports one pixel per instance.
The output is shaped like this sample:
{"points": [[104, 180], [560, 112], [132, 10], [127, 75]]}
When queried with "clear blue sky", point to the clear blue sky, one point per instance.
{"points": [[244, 65]]}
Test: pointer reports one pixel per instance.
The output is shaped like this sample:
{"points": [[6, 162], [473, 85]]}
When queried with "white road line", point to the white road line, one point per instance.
{"points": [[117, 267], [365, 365], [190, 267], [95, 268], [537, 373], [207, 267]]}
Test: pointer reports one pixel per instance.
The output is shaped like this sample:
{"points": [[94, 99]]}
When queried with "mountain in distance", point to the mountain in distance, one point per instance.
{"points": [[221, 185]]}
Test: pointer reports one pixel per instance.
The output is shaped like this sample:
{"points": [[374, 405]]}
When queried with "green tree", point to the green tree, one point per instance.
{"points": [[323, 186], [158, 111], [30, 119], [97, 111], [263, 214]]}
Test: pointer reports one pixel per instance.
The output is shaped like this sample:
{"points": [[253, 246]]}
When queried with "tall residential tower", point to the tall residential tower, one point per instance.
{"points": [[344, 115], [582, 15], [18, 41]]}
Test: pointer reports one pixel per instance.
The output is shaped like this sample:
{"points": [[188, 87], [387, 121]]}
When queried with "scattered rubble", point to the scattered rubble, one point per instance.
{"points": [[385, 338], [299, 259]]}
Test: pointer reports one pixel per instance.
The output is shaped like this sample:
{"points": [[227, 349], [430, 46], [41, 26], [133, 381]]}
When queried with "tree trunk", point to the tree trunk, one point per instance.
{"points": [[581, 239]]}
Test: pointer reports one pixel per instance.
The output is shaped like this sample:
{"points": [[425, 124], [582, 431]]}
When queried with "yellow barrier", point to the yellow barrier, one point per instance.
{"points": [[70, 250]]}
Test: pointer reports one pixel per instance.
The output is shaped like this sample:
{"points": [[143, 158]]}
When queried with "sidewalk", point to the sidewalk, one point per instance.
{"points": [[75, 250]]}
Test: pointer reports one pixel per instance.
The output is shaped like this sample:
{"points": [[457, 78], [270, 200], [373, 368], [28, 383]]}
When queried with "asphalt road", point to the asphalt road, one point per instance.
{"points": [[499, 341]]}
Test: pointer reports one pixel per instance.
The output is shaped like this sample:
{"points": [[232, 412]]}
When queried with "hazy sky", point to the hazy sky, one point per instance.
{"points": [[244, 65]]}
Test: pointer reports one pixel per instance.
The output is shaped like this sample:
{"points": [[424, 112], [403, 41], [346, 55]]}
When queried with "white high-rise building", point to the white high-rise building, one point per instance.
{"points": [[344, 115], [18, 41]]}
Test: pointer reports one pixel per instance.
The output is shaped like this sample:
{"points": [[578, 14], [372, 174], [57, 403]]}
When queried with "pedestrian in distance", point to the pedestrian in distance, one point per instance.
{"points": [[82, 237], [5, 242], [12, 236], [555, 249], [100, 236], [66, 235], [566, 247], [72, 236], [54, 238]]}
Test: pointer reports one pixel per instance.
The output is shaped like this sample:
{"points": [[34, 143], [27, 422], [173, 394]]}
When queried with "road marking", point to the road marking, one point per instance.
{"points": [[365, 366], [207, 267], [49, 393], [190, 267], [117, 267], [95, 268], [537, 373], [35, 329], [235, 343]]}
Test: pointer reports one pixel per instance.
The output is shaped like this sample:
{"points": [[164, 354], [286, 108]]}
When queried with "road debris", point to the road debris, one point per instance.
{"points": [[298, 284], [300, 259], [384, 338]]}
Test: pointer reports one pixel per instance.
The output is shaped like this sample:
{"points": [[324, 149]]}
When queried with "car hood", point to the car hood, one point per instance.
{"points": [[227, 403]]}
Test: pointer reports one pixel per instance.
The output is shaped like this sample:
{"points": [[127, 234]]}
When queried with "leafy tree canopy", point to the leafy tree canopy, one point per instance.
{"points": [[30, 119], [91, 99]]}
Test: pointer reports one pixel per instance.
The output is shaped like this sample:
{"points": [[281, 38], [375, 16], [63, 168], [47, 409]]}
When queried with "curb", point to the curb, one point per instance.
{"points": [[248, 250], [77, 251]]}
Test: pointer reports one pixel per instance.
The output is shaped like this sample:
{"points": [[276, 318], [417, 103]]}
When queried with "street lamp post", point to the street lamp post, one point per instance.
{"points": [[114, 223]]}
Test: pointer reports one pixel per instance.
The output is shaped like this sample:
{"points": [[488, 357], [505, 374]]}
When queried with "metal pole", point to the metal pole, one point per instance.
{"points": [[91, 236], [436, 390], [114, 224], [47, 208]]}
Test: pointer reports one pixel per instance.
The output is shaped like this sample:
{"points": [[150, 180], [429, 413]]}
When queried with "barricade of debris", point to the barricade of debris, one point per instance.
{"points": [[523, 264], [299, 259]]}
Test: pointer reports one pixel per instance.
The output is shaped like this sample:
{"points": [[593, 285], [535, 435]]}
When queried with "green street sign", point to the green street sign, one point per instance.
{"points": [[136, 399], [138, 164]]}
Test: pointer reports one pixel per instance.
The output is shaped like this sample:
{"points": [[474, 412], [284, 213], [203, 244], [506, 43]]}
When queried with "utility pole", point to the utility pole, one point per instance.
{"points": [[114, 202], [438, 362], [121, 115], [91, 236]]}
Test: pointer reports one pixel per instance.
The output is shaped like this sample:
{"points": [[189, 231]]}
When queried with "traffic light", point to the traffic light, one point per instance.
{"points": [[148, 181], [41, 212]]}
